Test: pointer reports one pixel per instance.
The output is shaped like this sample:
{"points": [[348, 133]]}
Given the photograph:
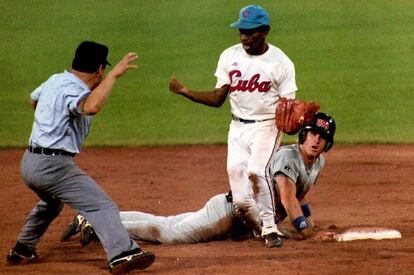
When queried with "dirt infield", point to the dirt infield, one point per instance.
{"points": [[360, 185]]}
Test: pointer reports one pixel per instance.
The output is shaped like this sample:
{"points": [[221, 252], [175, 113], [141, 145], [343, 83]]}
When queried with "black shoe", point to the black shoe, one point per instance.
{"points": [[240, 230], [20, 253], [284, 233], [131, 260], [88, 234], [73, 228], [273, 240]]}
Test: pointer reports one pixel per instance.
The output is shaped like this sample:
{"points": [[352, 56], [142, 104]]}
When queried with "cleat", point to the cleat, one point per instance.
{"points": [[284, 233], [21, 253], [272, 240], [73, 228], [88, 234], [131, 260]]}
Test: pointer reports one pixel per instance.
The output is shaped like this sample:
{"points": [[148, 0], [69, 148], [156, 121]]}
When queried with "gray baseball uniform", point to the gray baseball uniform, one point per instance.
{"points": [[288, 161], [213, 222], [217, 218], [48, 167]]}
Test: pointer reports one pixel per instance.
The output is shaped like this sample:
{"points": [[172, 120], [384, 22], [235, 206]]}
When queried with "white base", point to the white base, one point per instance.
{"points": [[374, 233]]}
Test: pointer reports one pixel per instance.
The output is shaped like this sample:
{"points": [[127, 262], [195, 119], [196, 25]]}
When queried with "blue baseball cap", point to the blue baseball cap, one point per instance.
{"points": [[251, 17]]}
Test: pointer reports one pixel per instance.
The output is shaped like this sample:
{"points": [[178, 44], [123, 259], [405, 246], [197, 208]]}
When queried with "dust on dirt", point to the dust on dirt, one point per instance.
{"points": [[360, 185]]}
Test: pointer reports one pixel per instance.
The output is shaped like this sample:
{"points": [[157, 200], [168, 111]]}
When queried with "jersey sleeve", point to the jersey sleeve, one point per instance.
{"points": [[74, 96], [287, 81], [35, 95], [321, 163], [285, 164], [221, 72]]}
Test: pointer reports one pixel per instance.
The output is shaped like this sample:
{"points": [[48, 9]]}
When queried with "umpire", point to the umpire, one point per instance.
{"points": [[64, 106]]}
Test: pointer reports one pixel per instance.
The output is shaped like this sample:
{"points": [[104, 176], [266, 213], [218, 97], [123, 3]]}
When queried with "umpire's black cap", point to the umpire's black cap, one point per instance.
{"points": [[89, 56]]}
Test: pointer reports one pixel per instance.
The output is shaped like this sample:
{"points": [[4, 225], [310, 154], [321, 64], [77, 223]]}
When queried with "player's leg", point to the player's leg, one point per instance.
{"points": [[265, 142], [150, 228], [88, 199], [132, 216], [160, 229], [39, 220], [212, 222], [238, 155], [33, 169], [143, 230], [140, 226], [35, 226], [264, 145], [80, 192], [58, 177]]}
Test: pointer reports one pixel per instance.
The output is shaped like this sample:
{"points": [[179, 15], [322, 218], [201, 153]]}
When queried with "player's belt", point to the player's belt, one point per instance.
{"points": [[51, 152], [235, 118]]}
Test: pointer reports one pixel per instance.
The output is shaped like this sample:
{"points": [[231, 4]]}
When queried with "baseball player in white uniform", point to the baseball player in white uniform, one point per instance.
{"points": [[293, 172], [255, 74]]}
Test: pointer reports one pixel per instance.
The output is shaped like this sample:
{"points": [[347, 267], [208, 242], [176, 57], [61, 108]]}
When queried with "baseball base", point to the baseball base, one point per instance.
{"points": [[363, 233]]}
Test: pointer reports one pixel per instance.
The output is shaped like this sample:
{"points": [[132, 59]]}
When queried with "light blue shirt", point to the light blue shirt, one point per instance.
{"points": [[58, 122]]}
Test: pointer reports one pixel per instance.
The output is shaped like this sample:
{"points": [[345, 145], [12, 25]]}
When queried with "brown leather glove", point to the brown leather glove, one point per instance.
{"points": [[293, 114]]}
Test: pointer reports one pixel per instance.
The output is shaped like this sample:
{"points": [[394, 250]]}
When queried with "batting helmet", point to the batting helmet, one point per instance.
{"points": [[324, 125]]}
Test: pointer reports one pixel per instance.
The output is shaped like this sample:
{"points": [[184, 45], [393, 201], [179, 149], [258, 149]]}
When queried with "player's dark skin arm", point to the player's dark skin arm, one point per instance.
{"points": [[33, 103], [287, 189], [214, 98]]}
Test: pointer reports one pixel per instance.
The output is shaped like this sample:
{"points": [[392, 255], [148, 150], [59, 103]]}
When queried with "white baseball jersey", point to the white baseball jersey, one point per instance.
{"points": [[256, 82]]}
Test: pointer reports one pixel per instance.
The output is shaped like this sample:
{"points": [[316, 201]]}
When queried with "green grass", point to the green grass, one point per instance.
{"points": [[354, 57]]}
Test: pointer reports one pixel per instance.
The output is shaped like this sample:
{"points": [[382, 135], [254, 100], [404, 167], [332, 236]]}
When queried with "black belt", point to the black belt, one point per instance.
{"points": [[229, 197], [51, 152], [248, 120]]}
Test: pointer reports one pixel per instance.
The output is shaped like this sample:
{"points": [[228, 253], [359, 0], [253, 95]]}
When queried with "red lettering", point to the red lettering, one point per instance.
{"points": [[248, 85], [235, 73], [322, 123], [242, 85], [265, 86], [253, 83]]}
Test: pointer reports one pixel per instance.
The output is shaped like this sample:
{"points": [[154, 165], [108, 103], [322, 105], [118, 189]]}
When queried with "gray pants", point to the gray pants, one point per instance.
{"points": [[58, 180], [213, 222]]}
